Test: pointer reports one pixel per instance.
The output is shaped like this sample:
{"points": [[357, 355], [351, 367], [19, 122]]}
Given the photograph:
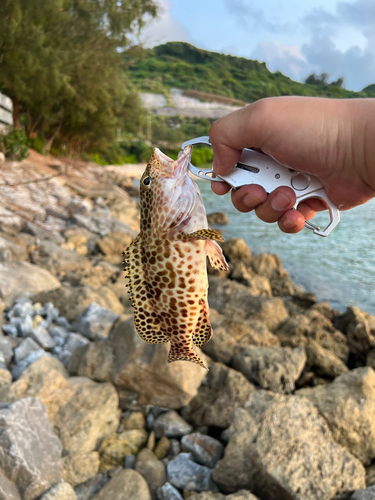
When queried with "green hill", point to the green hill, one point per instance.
{"points": [[181, 65]]}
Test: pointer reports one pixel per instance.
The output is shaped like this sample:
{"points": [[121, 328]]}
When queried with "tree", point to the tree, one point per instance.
{"points": [[61, 64]]}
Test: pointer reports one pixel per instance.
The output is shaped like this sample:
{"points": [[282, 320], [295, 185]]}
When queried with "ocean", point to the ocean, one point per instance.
{"points": [[339, 268]]}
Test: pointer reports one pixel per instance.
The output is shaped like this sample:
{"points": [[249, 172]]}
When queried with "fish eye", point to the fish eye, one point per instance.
{"points": [[146, 181]]}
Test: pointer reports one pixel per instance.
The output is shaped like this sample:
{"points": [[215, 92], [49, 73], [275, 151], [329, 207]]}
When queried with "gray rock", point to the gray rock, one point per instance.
{"points": [[95, 322], [62, 491], [24, 279], [75, 341], [59, 334], [30, 452], [8, 490], [364, 494], [127, 483], [89, 488], [6, 350], [24, 349], [225, 389], [172, 425], [175, 448], [348, 405], [21, 309], [183, 473], [152, 470], [29, 360], [63, 322], [129, 461], [273, 368], [42, 337], [270, 427], [94, 360], [10, 330], [168, 492], [24, 325], [205, 449]]}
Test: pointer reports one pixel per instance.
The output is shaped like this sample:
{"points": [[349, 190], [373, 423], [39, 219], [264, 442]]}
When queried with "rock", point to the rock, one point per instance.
{"points": [[152, 470], [129, 462], [170, 424], [5, 377], [225, 389], [184, 473], [162, 447], [24, 279], [133, 420], [6, 351], [64, 264], [236, 249], [72, 301], [25, 348], [168, 492], [273, 368], [270, 427], [10, 329], [323, 360], [62, 491], [116, 446], [268, 265], [2, 158], [209, 495], [29, 360], [65, 399], [115, 243], [42, 337], [367, 494], [42, 234], [10, 251], [205, 449], [360, 330], [94, 361], [95, 322], [125, 484], [80, 468], [217, 219], [59, 334], [258, 285], [75, 341], [143, 368], [348, 405], [235, 300], [30, 452], [87, 490], [24, 325], [8, 490]]}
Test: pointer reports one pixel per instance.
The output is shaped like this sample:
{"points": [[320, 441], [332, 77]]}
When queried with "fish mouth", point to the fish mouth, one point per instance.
{"points": [[174, 168]]}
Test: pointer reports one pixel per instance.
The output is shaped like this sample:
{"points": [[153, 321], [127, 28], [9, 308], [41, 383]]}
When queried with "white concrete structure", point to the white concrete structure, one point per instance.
{"points": [[6, 113]]}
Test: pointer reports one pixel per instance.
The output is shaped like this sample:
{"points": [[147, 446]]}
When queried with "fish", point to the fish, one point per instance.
{"points": [[166, 263]]}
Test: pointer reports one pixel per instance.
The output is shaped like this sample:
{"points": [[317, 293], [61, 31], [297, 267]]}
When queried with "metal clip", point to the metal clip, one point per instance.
{"points": [[258, 168]]}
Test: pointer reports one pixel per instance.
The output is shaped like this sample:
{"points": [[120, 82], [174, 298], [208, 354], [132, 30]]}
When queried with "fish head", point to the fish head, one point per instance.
{"points": [[170, 199]]}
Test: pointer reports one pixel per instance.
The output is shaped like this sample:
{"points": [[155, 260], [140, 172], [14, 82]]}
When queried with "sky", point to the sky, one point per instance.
{"points": [[296, 37]]}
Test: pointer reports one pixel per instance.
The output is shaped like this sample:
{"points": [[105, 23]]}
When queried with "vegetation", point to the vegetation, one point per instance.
{"points": [[180, 65], [61, 64], [15, 145]]}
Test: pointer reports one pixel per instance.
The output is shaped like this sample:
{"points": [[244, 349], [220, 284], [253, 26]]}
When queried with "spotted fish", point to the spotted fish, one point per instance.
{"points": [[166, 263]]}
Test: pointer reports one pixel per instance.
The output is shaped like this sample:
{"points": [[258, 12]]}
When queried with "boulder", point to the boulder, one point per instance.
{"points": [[72, 301], [217, 219], [143, 368], [30, 452], [235, 300], [268, 265], [206, 450], [348, 405], [270, 427], [152, 470], [236, 249], [22, 279], [217, 399], [65, 399], [125, 484], [364, 494], [360, 330], [8, 490], [273, 368], [258, 285], [325, 362], [95, 322], [78, 469], [62, 491], [93, 360]]}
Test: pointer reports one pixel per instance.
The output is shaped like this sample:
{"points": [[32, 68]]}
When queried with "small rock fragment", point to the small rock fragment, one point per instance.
{"points": [[184, 473], [205, 449], [170, 424]]}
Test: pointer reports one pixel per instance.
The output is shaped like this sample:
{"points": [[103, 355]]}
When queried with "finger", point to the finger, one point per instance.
{"points": [[310, 207], [292, 222], [220, 188], [248, 198], [278, 202]]}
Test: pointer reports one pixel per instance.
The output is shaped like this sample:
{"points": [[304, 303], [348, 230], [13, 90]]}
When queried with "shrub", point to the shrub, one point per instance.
{"points": [[15, 145]]}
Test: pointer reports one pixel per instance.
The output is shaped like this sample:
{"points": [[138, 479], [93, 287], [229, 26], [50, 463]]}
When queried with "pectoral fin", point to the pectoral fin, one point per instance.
{"points": [[203, 234], [216, 256]]}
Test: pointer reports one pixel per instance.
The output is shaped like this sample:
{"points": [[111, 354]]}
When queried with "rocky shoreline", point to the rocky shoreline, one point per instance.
{"points": [[88, 411]]}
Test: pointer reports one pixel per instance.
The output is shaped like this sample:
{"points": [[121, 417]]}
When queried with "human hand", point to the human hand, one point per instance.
{"points": [[331, 139]]}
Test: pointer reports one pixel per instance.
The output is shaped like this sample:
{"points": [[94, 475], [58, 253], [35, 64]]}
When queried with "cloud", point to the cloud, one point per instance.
{"points": [[246, 14], [281, 57], [164, 28]]}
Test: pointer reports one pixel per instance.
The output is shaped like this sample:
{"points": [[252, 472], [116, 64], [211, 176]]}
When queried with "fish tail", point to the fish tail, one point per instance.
{"points": [[186, 354]]}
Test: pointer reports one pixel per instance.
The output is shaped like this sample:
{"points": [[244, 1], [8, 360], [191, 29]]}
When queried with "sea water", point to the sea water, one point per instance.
{"points": [[339, 268]]}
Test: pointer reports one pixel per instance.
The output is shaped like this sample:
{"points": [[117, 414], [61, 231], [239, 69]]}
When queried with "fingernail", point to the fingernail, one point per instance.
{"points": [[289, 224], [251, 201], [280, 201]]}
